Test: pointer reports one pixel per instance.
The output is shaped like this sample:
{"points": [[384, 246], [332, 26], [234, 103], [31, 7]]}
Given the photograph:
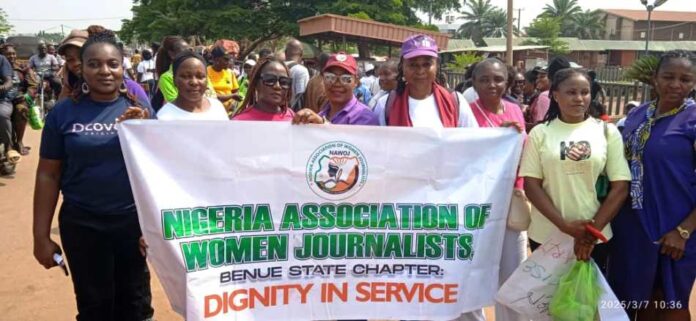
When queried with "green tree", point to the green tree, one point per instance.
{"points": [[5, 26], [463, 61], [250, 22], [545, 31], [494, 24], [476, 14], [588, 25], [565, 11], [436, 8]]}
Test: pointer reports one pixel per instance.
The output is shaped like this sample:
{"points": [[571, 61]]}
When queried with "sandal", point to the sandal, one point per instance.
{"points": [[13, 156]]}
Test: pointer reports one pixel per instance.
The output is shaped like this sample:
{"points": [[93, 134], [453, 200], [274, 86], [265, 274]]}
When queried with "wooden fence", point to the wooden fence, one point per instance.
{"points": [[617, 95], [610, 73]]}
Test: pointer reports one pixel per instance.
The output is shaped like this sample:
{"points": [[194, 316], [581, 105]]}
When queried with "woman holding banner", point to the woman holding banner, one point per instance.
{"points": [[418, 101], [81, 157], [561, 164], [269, 94], [490, 79]]}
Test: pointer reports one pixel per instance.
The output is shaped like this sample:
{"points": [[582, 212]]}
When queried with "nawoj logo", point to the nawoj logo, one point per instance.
{"points": [[336, 171]]}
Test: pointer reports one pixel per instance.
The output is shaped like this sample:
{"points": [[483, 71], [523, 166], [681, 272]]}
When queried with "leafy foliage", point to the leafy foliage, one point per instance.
{"points": [[643, 70], [545, 32], [483, 20], [251, 22], [462, 61], [5, 25], [588, 25]]}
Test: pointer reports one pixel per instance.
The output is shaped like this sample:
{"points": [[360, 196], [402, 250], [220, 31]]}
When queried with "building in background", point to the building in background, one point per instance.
{"points": [[623, 24]]}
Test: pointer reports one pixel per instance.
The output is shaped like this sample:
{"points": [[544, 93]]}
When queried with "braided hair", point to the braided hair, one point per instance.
{"points": [[254, 79], [675, 54], [558, 78], [100, 35]]}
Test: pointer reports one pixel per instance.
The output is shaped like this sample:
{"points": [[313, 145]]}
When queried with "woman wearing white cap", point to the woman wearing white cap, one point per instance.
{"points": [[419, 101]]}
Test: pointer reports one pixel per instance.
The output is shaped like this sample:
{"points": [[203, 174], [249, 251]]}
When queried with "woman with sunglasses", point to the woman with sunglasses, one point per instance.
{"points": [[340, 80], [269, 93]]}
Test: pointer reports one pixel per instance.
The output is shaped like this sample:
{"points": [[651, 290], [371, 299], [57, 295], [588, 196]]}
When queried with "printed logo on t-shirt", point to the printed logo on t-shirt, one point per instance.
{"points": [[576, 151], [102, 129]]}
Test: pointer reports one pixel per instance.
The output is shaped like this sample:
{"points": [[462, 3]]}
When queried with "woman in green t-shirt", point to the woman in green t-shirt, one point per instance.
{"points": [[562, 161]]}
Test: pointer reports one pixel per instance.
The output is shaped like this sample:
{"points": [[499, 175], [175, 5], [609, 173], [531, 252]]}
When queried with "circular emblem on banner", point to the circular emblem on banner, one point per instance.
{"points": [[336, 171], [341, 57]]}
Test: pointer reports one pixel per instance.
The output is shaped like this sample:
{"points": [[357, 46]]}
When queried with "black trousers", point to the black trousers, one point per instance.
{"points": [[110, 276], [600, 254]]}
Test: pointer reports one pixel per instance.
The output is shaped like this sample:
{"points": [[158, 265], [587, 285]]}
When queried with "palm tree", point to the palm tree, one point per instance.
{"points": [[475, 14], [565, 11], [494, 24], [588, 25]]}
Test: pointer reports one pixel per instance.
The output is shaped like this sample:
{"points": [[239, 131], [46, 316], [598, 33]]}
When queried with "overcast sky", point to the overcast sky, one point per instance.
{"points": [[31, 16]]}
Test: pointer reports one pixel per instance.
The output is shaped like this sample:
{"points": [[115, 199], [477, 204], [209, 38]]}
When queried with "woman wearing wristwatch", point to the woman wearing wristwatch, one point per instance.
{"points": [[654, 258]]}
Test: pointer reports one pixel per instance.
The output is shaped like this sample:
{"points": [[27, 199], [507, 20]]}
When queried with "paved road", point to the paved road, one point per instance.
{"points": [[27, 290]]}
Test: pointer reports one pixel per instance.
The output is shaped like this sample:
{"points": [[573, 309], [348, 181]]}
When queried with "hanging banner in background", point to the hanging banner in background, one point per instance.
{"points": [[268, 221]]}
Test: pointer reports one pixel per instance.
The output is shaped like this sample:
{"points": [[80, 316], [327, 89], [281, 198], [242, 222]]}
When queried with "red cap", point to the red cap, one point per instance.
{"points": [[344, 61]]}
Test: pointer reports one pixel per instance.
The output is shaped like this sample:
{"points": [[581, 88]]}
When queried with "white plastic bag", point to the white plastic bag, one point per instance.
{"points": [[530, 288]]}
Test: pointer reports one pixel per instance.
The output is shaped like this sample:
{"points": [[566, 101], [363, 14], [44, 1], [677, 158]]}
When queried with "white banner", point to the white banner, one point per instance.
{"points": [[270, 221]]}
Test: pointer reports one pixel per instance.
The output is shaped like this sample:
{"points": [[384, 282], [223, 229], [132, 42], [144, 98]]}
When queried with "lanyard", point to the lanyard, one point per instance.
{"points": [[490, 123]]}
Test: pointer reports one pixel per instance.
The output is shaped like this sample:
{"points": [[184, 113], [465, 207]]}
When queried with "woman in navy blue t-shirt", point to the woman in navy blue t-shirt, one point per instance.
{"points": [[81, 157]]}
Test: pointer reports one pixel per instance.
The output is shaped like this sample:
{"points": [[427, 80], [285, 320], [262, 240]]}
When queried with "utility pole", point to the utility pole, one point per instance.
{"points": [[509, 51], [430, 12], [519, 18], [62, 32]]}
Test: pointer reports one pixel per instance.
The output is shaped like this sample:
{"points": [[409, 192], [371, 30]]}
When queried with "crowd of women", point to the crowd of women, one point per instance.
{"points": [[648, 212]]}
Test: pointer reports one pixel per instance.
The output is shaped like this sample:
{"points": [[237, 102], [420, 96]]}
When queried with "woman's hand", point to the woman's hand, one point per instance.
{"points": [[583, 249], [513, 124], [44, 250], [133, 113], [143, 246], [576, 229], [307, 116], [672, 245]]}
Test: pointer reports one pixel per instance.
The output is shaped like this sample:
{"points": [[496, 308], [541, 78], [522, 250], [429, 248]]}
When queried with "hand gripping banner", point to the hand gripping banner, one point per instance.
{"points": [[272, 221]]}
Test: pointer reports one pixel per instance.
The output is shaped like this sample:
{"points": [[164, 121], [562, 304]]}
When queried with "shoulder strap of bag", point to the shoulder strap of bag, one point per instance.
{"points": [[388, 105]]}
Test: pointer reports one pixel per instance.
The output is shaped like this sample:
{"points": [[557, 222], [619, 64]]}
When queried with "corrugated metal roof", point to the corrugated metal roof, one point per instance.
{"points": [[657, 15], [575, 44], [494, 49], [335, 27], [459, 45]]}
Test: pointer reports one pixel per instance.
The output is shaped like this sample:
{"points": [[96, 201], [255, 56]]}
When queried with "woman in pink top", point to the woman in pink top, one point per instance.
{"points": [[490, 110], [268, 95]]}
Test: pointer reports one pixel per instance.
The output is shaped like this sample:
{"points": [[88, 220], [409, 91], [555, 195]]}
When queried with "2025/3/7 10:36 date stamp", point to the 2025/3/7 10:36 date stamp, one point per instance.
{"points": [[639, 305]]}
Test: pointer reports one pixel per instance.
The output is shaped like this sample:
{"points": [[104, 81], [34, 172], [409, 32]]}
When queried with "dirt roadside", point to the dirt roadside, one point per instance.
{"points": [[27, 290]]}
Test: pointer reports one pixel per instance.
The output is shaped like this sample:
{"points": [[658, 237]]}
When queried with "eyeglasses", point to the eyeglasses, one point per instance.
{"points": [[270, 81], [330, 78]]}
